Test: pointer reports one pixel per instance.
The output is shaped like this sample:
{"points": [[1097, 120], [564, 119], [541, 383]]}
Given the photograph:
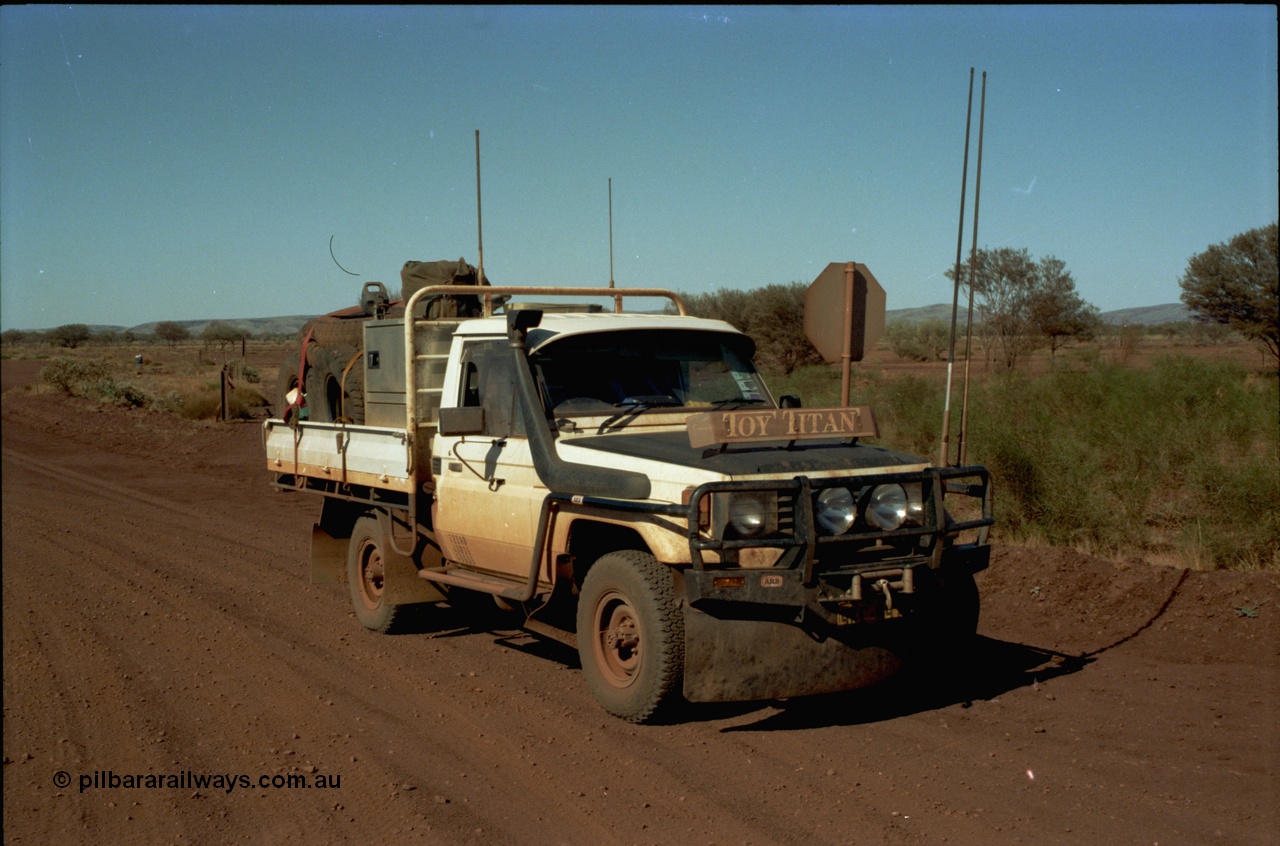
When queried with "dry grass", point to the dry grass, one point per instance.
{"points": [[184, 379]]}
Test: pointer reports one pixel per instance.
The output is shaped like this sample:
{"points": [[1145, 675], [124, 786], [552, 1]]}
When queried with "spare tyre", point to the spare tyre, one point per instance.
{"points": [[336, 331], [335, 385]]}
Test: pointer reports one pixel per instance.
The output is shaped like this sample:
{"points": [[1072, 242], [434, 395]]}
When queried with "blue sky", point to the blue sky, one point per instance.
{"points": [[193, 163]]}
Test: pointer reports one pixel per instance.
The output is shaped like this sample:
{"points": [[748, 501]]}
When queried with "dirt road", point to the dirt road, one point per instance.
{"points": [[159, 631]]}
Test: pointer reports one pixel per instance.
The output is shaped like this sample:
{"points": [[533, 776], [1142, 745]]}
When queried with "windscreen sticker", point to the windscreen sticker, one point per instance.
{"points": [[747, 385]]}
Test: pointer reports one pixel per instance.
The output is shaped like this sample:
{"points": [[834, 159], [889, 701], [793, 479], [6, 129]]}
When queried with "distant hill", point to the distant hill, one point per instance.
{"points": [[290, 324], [257, 326], [253, 325], [941, 311], [1148, 315], [1142, 316]]}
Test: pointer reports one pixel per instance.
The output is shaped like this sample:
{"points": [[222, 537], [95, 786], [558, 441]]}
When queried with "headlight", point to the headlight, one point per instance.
{"points": [[835, 511], [887, 507], [753, 513]]}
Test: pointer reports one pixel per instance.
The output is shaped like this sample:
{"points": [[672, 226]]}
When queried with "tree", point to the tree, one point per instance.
{"points": [[1238, 284], [728, 304], [1020, 301], [14, 336], [171, 332], [926, 340], [776, 320], [1002, 282], [221, 334], [70, 335], [1057, 311], [773, 316]]}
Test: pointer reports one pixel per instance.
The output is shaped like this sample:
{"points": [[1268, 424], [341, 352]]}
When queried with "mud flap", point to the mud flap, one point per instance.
{"points": [[402, 585], [743, 660], [328, 557]]}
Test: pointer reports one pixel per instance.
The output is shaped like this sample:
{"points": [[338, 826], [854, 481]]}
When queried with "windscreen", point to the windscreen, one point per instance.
{"points": [[600, 373]]}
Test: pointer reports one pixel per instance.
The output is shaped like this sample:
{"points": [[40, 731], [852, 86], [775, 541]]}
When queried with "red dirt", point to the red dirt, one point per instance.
{"points": [[158, 620]]}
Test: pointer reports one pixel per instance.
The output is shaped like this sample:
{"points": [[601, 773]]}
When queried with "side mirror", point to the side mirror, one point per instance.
{"points": [[789, 401], [462, 421]]}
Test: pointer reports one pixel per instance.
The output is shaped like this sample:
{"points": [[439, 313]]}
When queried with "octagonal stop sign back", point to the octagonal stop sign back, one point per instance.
{"points": [[824, 312]]}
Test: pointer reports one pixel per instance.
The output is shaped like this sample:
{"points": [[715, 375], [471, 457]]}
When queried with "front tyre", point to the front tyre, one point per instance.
{"points": [[366, 578], [631, 635]]}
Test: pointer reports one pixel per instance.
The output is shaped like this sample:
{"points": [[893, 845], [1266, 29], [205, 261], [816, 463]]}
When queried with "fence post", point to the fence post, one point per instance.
{"points": [[222, 408]]}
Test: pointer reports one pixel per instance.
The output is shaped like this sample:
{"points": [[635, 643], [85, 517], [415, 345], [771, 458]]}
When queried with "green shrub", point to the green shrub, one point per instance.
{"points": [[206, 404], [109, 390], [908, 410], [817, 385], [169, 402], [1114, 458], [91, 379], [70, 375], [1183, 457]]}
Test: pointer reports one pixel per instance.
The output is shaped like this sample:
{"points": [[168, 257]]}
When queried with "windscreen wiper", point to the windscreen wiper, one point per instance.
{"points": [[641, 402], [737, 401], [635, 406]]}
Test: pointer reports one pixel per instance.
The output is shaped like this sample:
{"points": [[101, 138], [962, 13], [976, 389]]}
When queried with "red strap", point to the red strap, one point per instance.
{"points": [[301, 400]]}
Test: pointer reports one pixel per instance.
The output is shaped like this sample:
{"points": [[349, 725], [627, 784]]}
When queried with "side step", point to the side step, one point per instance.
{"points": [[470, 579]]}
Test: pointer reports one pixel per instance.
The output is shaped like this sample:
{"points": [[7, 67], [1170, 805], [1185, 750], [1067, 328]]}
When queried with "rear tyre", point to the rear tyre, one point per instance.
{"points": [[631, 636], [366, 578]]}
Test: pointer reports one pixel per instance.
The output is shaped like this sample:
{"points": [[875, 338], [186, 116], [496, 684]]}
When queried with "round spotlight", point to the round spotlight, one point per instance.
{"points": [[835, 510], [887, 507]]}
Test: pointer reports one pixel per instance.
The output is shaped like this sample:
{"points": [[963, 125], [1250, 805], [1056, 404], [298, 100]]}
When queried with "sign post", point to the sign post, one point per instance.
{"points": [[844, 316]]}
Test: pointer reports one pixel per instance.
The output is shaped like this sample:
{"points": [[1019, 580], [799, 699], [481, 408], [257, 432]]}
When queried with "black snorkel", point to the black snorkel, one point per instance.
{"points": [[558, 475]]}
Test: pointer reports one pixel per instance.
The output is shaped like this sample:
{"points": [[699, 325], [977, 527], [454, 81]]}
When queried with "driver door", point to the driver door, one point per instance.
{"points": [[487, 492]]}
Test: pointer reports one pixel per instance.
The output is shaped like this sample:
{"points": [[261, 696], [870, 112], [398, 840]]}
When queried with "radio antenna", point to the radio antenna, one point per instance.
{"points": [[944, 452], [973, 260], [479, 215], [611, 232], [335, 258]]}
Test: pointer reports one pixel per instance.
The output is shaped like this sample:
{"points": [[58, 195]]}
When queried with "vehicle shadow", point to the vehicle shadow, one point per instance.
{"points": [[540, 647], [993, 668], [461, 618]]}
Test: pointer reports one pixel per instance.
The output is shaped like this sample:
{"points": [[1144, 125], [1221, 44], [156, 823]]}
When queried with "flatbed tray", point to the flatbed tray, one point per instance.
{"points": [[371, 456]]}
